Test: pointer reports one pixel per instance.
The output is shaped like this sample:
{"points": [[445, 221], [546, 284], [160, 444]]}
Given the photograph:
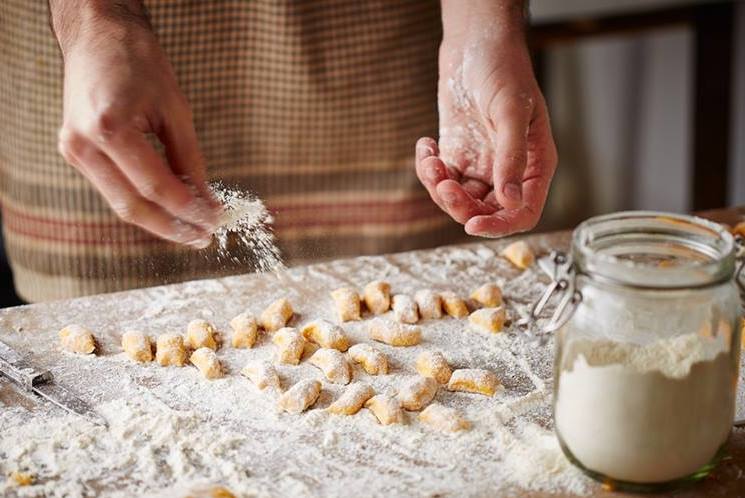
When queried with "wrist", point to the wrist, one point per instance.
{"points": [[483, 19]]}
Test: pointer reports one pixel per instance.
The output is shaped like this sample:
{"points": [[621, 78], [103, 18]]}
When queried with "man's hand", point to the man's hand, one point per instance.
{"points": [[118, 88], [496, 156]]}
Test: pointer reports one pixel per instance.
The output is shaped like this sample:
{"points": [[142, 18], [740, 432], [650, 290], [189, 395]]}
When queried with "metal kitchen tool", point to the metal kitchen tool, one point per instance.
{"points": [[41, 382]]}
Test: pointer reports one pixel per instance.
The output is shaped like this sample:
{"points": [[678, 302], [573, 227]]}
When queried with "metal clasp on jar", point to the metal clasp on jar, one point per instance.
{"points": [[562, 273], [740, 258]]}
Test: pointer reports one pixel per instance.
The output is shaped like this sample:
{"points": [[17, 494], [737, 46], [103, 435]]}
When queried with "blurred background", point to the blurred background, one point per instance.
{"points": [[647, 99]]}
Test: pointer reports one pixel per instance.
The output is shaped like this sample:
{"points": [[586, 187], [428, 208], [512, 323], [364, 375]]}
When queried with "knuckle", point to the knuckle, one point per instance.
{"points": [[71, 144], [153, 190], [105, 123], [127, 210]]}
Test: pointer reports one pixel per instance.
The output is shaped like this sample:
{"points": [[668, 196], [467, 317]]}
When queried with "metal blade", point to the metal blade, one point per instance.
{"points": [[66, 400]]}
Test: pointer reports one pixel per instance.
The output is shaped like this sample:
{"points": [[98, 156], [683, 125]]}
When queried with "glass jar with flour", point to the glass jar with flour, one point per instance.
{"points": [[647, 348]]}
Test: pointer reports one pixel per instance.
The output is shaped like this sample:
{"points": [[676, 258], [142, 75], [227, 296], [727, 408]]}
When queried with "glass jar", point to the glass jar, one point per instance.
{"points": [[647, 348]]}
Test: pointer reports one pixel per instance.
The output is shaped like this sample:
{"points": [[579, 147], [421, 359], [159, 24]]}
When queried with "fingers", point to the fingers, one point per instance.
{"points": [[511, 120], [126, 202], [430, 169], [458, 203], [155, 181]]}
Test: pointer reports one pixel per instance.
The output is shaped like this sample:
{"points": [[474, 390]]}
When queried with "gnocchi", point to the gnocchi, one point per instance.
{"points": [[433, 364], [417, 392], [326, 335], [386, 409], [377, 296], [347, 303], [170, 350], [519, 254], [137, 346], [352, 400], [474, 380], [394, 333], [488, 319], [290, 345], [333, 364], [245, 330], [262, 374], [429, 303], [276, 315], [488, 295], [373, 361], [77, 339], [453, 305], [443, 418], [405, 309], [299, 397], [206, 361], [200, 334]]}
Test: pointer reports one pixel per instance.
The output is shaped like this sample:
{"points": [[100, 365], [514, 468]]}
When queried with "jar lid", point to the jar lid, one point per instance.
{"points": [[654, 250]]}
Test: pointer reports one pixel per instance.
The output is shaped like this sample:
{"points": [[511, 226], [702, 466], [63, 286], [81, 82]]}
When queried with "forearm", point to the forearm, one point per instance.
{"points": [[73, 20], [489, 17]]}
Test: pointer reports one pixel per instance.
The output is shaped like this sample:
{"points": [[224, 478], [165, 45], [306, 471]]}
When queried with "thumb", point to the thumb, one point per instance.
{"points": [[511, 119]]}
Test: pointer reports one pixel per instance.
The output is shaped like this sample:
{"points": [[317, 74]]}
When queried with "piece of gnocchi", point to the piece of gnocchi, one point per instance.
{"points": [[262, 374], [443, 418], [276, 315], [488, 319], [429, 303], [519, 254], [326, 335], [394, 333], [347, 303], [200, 334], [405, 309], [352, 399], [333, 364], [170, 350], [290, 345], [77, 339], [300, 397], [454, 305], [206, 361], [137, 346], [738, 229], [17, 478], [417, 392], [245, 330], [387, 409], [488, 295], [433, 364], [377, 296], [372, 361], [474, 380]]}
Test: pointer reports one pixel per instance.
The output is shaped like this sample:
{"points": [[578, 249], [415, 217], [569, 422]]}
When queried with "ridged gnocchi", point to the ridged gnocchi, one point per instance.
{"points": [[454, 305], [387, 409], [433, 364], [200, 334], [326, 335], [352, 400], [405, 309], [347, 303], [137, 346], [77, 339], [170, 350], [443, 418], [519, 254], [276, 315], [372, 361], [488, 295], [245, 330], [333, 364], [417, 392], [290, 345], [377, 297], [299, 397], [488, 319], [206, 361], [394, 333], [262, 374], [474, 380], [429, 303]]}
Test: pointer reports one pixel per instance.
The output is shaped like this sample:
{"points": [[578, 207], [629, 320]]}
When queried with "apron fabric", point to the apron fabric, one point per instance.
{"points": [[313, 105]]}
